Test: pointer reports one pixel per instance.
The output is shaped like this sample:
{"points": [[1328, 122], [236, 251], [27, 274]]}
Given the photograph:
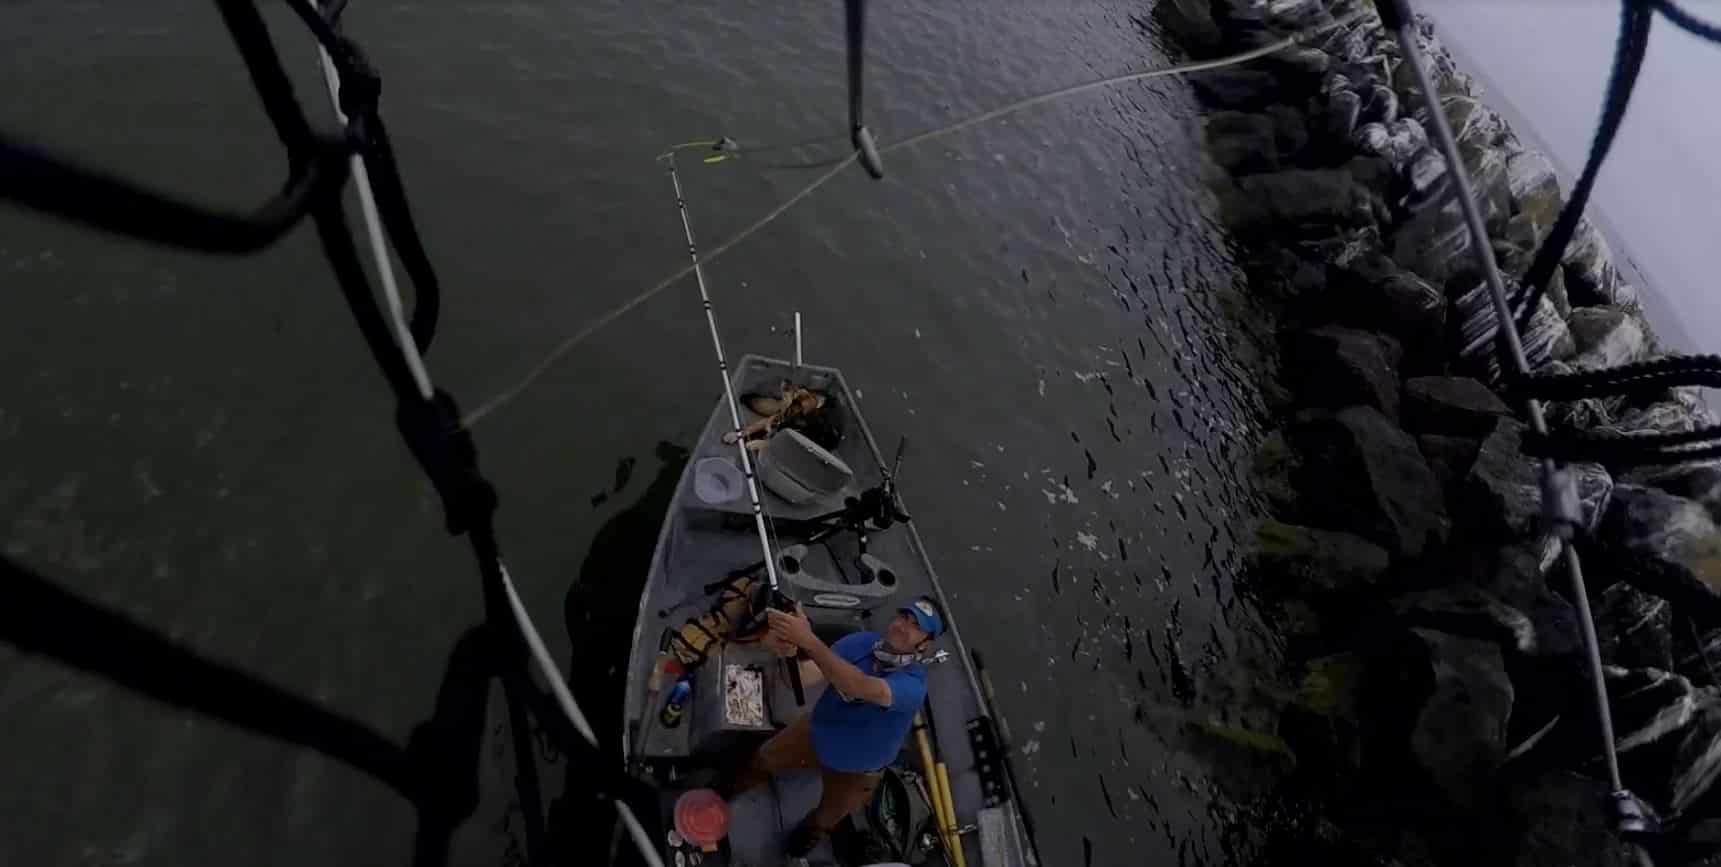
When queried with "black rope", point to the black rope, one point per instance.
{"points": [[317, 173], [1686, 21], [1639, 378], [1635, 18]]}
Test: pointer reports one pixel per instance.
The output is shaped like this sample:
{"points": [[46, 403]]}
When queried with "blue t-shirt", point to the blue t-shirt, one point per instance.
{"points": [[858, 735]]}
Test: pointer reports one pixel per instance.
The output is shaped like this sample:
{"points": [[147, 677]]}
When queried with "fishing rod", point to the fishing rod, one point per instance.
{"points": [[779, 599]]}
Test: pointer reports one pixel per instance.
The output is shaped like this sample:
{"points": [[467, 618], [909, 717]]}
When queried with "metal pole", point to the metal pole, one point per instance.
{"points": [[1396, 15], [797, 338]]}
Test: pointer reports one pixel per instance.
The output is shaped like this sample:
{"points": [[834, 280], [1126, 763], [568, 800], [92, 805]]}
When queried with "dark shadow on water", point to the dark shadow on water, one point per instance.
{"points": [[437, 770], [600, 609]]}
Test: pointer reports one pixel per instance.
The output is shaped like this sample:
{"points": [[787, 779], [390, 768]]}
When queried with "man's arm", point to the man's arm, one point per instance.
{"points": [[842, 674]]}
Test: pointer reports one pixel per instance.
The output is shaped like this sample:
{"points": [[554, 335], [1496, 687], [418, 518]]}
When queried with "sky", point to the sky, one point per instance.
{"points": [[1546, 62]]}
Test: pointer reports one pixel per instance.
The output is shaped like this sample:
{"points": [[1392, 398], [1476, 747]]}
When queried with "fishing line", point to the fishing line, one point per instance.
{"points": [[562, 348]]}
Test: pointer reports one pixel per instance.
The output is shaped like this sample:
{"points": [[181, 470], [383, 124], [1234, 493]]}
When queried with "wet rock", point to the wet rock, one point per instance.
{"points": [[1535, 188], [1371, 291], [1303, 201], [1342, 110], [1337, 367], [1306, 558], [1427, 177], [1360, 472], [1290, 132], [1648, 705], [1697, 655], [1307, 65], [1323, 720], [1242, 142], [1547, 339], [1455, 405], [1469, 611], [1698, 482], [1520, 578], [1635, 629], [1582, 414], [1237, 88], [1605, 337], [1591, 278], [1459, 737], [1379, 105], [1473, 124], [1697, 762], [1398, 142], [1450, 459], [1565, 820], [1664, 417], [1667, 546], [1191, 24], [1434, 242], [1504, 490]]}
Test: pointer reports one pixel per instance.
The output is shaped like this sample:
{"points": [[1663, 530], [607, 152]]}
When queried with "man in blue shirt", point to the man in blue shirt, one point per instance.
{"points": [[876, 685]]}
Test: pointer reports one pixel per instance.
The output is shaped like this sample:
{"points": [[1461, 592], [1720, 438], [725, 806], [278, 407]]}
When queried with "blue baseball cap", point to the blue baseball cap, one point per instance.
{"points": [[925, 614]]}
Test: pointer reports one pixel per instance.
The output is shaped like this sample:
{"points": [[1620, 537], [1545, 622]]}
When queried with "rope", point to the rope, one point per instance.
{"points": [[555, 354], [591, 328], [1632, 44], [1687, 22]]}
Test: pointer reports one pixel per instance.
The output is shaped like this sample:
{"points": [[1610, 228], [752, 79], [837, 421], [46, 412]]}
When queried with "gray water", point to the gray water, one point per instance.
{"points": [[201, 445]]}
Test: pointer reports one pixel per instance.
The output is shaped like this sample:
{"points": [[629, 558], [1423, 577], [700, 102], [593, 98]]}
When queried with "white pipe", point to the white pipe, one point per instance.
{"points": [[797, 338]]}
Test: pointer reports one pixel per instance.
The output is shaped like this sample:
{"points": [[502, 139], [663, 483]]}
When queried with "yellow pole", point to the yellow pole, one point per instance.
{"points": [[950, 832], [943, 807]]}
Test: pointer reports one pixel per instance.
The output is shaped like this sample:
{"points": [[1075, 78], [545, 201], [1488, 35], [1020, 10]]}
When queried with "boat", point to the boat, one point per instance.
{"points": [[845, 550]]}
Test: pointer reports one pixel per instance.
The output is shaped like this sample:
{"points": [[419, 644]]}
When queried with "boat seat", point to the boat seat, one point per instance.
{"points": [[799, 470]]}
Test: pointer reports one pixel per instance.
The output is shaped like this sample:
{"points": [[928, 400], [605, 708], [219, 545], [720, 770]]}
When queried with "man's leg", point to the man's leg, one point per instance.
{"points": [[844, 792], [788, 749]]}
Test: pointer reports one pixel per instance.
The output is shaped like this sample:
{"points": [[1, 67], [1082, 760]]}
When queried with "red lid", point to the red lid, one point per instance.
{"points": [[701, 816]]}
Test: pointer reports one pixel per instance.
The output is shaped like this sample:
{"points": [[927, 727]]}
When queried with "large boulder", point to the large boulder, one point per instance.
{"points": [[1504, 489], [1547, 339], [1452, 405], [1426, 175], [1191, 24], [1360, 472], [1237, 88], [1307, 558], [1671, 416], [1591, 278], [1376, 294], [1459, 736], [1242, 142], [1337, 367], [1379, 105], [1635, 629], [1343, 108], [1450, 459], [1435, 240], [1698, 482], [1472, 612], [1290, 131], [1535, 187], [1696, 764], [1520, 576], [1565, 820], [1667, 546], [1606, 337], [1398, 142], [1299, 201]]}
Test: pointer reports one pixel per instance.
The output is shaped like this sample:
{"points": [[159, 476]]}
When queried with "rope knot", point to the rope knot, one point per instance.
{"points": [[361, 89], [448, 456]]}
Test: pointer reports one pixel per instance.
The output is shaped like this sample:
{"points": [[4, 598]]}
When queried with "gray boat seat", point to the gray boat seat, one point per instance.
{"points": [[795, 567], [800, 470]]}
